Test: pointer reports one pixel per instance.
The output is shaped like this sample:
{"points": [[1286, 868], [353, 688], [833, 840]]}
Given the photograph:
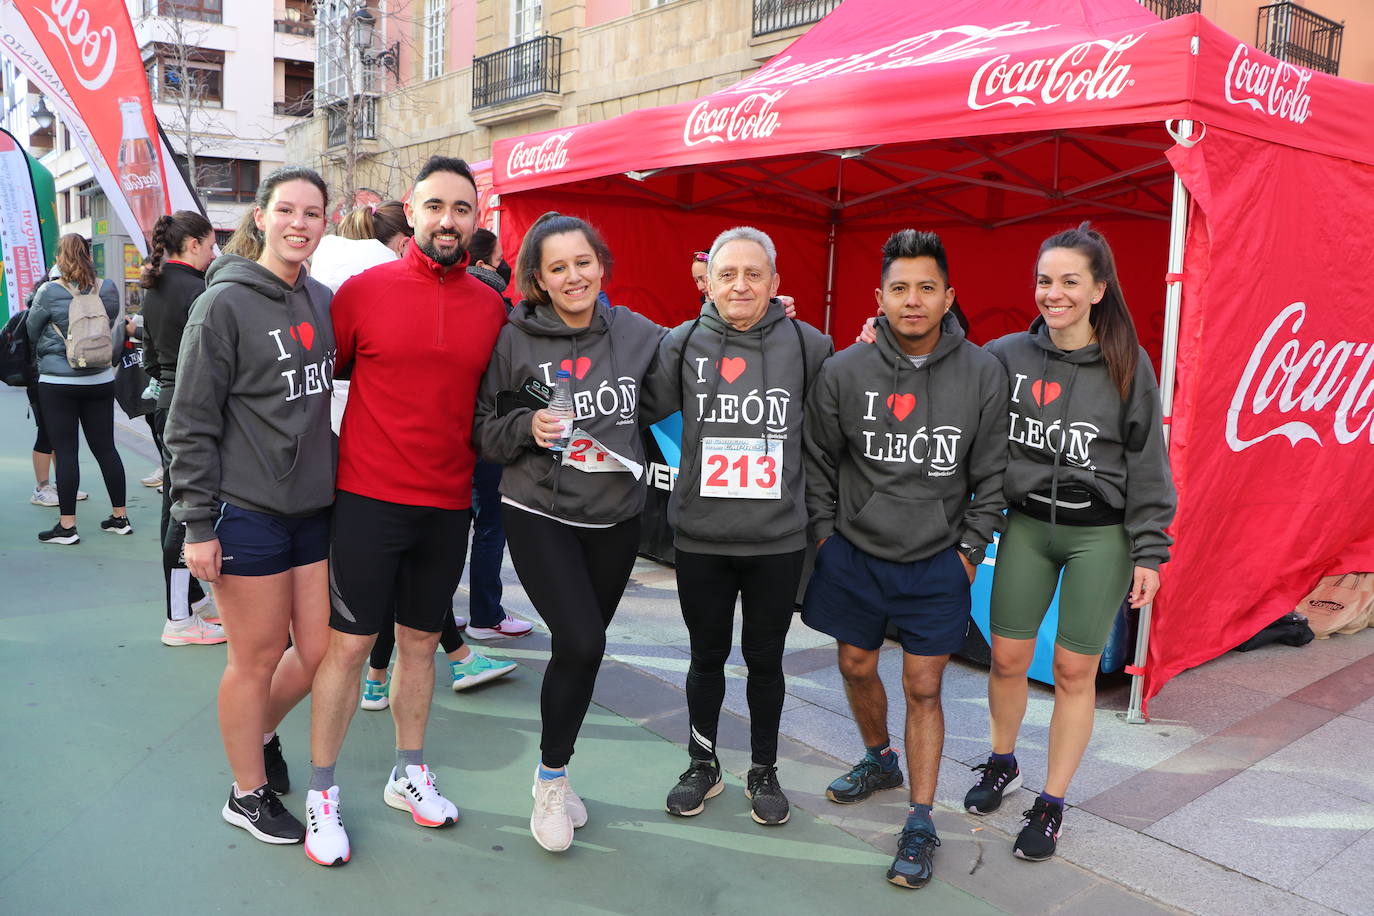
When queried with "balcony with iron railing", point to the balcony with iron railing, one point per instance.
{"points": [[777, 15], [297, 108], [1168, 9], [531, 68], [1300, 36], [364, 123], [294, 27]]}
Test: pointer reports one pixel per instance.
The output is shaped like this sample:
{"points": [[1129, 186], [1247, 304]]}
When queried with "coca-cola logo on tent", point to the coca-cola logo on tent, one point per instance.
{"points": [[549, 155], [1091, 70], [1278, 89], [750, 118], [96, 50], [1288, 376]]}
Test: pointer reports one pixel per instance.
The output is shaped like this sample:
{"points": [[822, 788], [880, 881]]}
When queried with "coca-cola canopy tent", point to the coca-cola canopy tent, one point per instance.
{"points": [[997, 123]]}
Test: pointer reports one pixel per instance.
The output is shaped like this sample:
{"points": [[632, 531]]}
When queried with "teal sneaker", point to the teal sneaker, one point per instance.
{"points": [[477, 669], [375, 694], [913, 866]]}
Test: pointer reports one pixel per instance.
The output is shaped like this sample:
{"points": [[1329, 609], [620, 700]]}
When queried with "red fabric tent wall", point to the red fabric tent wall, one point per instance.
{"points": [[997, 123]]}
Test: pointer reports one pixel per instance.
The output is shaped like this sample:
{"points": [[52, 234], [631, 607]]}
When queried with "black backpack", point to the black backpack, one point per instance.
{"points": [[17, 367]]}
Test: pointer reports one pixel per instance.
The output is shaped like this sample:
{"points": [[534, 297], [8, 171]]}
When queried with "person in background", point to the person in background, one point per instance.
{"points": [[183, 245], [701, 274], [1088, 513], [486, 618], [252, 478], [75, 398], [44, 490]]}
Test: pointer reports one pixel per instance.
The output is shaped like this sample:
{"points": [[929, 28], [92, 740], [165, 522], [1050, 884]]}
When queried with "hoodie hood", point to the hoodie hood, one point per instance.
{"points": [[231, 268], [540, 320], [712, 318], [1040, 335]]}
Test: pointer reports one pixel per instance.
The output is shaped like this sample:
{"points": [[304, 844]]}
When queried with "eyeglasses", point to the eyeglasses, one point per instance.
{"points": [[700, 256]]}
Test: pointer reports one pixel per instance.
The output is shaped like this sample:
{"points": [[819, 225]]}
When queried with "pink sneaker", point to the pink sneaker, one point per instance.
{"points": [[194, 632], [506, 629]]}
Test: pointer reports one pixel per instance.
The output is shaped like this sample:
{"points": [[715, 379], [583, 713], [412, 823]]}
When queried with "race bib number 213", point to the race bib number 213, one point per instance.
{"points": [[741, 468]]}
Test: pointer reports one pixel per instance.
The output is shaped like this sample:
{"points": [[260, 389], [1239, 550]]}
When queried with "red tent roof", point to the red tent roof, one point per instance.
{"points": [[878, 72]]}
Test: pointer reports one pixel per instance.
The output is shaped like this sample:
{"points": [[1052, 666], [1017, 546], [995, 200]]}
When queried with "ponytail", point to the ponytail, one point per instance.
{"points": [[172, 233], [152, 265]]}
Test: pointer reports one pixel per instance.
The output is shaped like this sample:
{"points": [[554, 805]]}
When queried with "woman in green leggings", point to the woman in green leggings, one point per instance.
{"points": [[1090, 495]]}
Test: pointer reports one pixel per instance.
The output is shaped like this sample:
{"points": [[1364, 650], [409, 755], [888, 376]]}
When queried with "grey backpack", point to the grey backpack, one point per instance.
{"points": [[90, 334]]}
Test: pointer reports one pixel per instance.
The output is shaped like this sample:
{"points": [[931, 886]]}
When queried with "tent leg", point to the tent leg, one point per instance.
{"points": [[1168, 373]]}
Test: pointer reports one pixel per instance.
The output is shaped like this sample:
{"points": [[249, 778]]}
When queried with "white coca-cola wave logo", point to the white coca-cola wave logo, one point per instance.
{"points": [[140, 182], [1278, 89], [1091, 70], [936, 46], [1288, 377], [751, 118], [96, 49], [549, 155]]}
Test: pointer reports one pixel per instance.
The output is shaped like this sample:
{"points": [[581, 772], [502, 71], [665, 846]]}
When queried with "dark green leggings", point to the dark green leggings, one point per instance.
{"points": [[1097, 568]]}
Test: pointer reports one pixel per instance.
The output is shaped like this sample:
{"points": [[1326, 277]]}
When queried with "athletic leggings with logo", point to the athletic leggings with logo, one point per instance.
{"points": [[575, 578], [707, 586], [180, 587]]}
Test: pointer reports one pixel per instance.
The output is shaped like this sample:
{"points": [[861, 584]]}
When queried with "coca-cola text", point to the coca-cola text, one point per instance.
{"points": [[1278, 89], [751, 118], [1091, 71], [1283, 378], [550, 155], [95, 49]]}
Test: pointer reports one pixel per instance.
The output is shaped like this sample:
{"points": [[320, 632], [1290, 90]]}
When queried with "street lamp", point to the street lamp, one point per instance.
{"points": [[365, 23], [42, 115]]}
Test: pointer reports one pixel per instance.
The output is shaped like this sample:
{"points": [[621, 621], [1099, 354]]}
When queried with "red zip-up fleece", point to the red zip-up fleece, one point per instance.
{"points": [[418, 337]]}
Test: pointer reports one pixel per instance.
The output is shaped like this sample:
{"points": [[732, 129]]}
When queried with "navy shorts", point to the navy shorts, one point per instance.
{"points": [[262, 544], [854, 597]]}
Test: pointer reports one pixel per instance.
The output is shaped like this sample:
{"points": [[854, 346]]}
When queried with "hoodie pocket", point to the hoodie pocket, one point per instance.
{"points": [[912, 523]]}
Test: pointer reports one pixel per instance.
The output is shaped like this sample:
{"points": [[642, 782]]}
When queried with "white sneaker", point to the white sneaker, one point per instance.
{"points": [[205, 609], [417, 793], [550, 822], [326, 841], [460, 621], [506, 629], [44, 496], [154, 479], [572, 802], [193, 631]]}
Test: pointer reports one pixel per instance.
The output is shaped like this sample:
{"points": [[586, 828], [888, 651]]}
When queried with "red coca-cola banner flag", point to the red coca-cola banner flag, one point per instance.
{"points": [[1273, 426], [82, 55]]}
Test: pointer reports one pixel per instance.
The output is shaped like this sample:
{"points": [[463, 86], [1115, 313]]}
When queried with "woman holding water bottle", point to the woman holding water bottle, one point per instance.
{"points": [[572, 489]]}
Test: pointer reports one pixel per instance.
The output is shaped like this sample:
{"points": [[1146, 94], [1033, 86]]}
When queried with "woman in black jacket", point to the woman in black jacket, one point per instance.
{"points": [[174, 275]]}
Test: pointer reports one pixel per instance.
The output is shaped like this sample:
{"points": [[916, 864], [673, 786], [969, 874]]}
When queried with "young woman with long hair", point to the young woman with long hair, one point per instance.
{"points": [[73, 397], [252, 478], [1090, 496], [174, 275]]}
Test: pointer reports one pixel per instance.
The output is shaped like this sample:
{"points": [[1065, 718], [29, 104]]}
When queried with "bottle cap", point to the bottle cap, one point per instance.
{"points": [[563, 373]]}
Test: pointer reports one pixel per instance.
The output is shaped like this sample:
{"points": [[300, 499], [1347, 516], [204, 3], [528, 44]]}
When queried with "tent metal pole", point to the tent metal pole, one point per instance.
{"points": [[1168, 373], [830, 244]]}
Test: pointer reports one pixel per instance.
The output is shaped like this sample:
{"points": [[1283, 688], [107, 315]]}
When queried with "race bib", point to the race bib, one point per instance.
{"points": [[586, 454], [740, 468]]}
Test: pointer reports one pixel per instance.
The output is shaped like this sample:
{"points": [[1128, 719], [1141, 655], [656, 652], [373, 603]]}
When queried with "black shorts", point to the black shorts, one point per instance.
{"points": [[261, 544], [853, 597], [386, 555]]}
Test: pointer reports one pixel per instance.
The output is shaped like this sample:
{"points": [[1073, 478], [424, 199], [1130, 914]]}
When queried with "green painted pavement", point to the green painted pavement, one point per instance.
{"points": [[115, 776]]}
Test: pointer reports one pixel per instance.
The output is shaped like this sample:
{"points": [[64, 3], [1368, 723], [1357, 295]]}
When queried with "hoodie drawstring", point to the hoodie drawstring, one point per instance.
{"points": [[1063, 435]]}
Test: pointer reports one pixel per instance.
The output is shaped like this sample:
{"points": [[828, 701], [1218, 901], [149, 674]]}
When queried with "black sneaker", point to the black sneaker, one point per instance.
{"points": [[998, 779], [769, 804], [117, 524], [264, 816], [868, 776], [1040, 835], [58, 534], [278, 779], [913, 866], [701, 781]]}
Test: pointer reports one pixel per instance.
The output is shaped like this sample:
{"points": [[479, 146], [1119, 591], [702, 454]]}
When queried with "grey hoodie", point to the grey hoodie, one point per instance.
{"points": [[609, 360], [747, 384], [1114, 448], [906, 462], [249, 421]]}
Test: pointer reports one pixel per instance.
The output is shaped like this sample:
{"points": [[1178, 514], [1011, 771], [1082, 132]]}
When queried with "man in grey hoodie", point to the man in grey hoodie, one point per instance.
{"points": [[905, 452], [738, 373]]}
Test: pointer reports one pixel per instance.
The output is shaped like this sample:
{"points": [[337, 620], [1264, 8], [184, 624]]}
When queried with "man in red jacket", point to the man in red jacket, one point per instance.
{"points": [[417, 334]]}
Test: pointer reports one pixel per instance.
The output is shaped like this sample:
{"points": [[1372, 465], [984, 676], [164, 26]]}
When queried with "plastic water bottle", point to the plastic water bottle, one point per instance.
{"points": [[561, 406]]}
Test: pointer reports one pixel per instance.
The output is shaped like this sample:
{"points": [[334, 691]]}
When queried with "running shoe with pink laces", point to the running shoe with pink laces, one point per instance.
{"points": [[417, 792], [193, 631]]}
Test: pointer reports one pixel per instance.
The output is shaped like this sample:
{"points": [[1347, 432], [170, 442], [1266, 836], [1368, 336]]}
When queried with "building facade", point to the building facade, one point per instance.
{"points": [[457, 75]]}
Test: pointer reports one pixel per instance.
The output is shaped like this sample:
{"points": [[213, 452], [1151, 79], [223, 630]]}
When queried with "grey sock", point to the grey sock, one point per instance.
{"points": [[404, 759], [321, 778]]}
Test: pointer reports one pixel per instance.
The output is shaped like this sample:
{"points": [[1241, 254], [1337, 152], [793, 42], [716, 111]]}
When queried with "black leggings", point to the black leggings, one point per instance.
{"points": [[574, 578], [707, 585], [449, 637], [180, 587], [41, 445], [65, 407]]}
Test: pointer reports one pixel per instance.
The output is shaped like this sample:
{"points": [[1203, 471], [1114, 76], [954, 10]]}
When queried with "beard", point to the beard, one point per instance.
{"points": [[443, 258]]}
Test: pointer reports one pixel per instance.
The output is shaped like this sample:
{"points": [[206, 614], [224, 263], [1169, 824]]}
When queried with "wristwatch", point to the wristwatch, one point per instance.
{"points": [[974, 555]]}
